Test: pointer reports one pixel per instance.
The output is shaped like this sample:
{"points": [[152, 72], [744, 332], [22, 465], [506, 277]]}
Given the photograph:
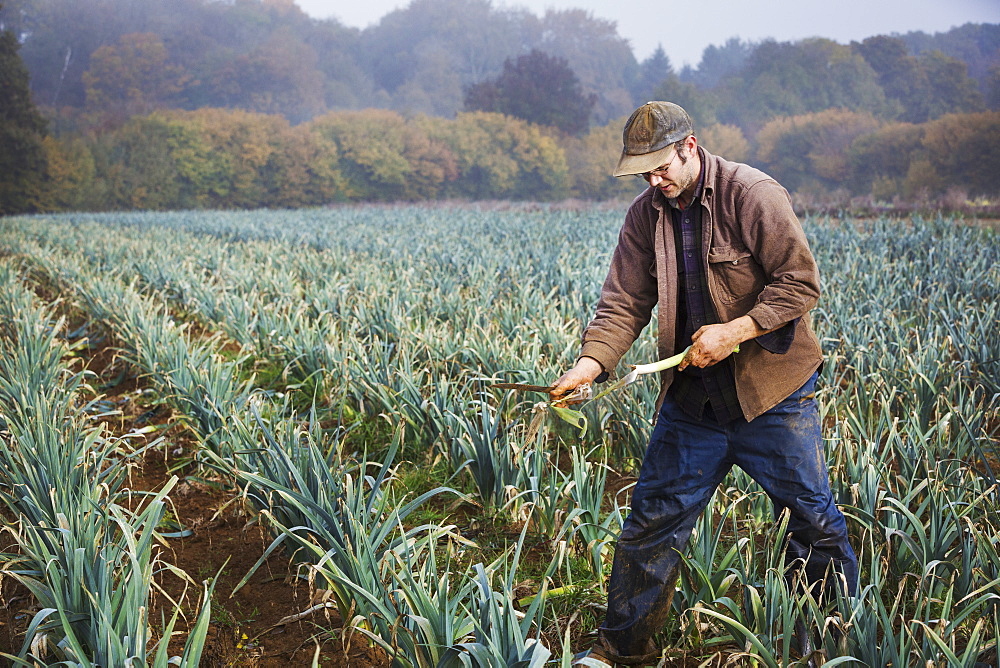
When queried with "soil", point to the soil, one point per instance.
{"points": [[246, 628]]}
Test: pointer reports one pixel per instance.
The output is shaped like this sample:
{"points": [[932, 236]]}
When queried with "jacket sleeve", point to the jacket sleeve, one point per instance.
{"points": [[774, 236], [629, 292]]}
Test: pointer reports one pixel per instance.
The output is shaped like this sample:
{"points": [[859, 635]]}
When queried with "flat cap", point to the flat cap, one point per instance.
{"points": [[648, 135]]}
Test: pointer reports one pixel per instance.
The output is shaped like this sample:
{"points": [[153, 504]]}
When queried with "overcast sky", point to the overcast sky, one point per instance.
{"points": [[685, 29]]}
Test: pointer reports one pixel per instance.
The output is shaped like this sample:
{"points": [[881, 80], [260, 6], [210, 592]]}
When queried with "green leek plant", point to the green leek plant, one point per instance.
{"points": [[708, 571], [88, 562], [394, 386], [347, 531], [322, 509], [751, 622], [549, 508], [405, 607], [596, 532], [488, 450], [502, 634], [92, 573]]}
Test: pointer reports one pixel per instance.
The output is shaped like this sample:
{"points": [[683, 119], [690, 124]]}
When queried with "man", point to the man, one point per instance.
{"points": [[715, 244]]}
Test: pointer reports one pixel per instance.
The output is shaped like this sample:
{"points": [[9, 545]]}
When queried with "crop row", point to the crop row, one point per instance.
{"points": [[402, 313], [86, 554], [338, 518]]}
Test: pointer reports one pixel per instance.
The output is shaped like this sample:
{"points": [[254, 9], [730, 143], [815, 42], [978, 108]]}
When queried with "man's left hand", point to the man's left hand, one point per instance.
{"points": [[713, 343]]}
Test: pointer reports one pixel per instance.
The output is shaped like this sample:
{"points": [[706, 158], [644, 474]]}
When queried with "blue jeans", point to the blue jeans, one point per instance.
{"points": [[686, 460]]}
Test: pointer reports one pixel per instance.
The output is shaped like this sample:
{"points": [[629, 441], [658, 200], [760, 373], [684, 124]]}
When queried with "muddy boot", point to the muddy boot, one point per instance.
{"points": [[803, 638], [602, 656]]}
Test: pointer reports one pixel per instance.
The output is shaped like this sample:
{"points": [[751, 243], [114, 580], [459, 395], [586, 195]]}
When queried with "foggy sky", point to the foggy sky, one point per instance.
{"points": [[685, 29]]}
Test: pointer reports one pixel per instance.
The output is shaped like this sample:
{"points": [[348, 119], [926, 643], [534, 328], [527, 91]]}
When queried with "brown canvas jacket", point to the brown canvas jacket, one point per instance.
{"points": [[759, 264]]}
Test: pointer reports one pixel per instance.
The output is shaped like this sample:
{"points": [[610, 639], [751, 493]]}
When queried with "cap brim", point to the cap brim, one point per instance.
{"points": [[644, 162]]}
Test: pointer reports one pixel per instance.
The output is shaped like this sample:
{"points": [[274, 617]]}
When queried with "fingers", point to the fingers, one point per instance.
{"points": [[711, 344], [566, 383], [707, 349], [696, 354], [699, 356], [562, 387], [585, 371]]}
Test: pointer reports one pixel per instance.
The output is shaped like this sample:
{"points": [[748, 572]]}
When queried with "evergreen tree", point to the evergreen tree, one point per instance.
{"points": [[652, 72], [22, 160], [719, 62]]}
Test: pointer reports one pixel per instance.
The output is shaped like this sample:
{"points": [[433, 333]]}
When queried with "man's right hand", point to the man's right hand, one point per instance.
{"points": [[585, 371]]}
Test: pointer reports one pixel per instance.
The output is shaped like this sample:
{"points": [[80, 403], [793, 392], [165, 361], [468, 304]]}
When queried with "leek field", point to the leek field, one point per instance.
{"points": [[327, 375]]}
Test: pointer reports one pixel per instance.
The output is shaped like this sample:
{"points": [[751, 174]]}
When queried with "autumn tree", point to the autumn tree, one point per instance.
{"points": [[22, 155], [69, 175], [962, 151], [811, 150], [135, 169], [214, 158], [132, 77], [223, 154], [538, 88], [880, 161], [727, 141], [384, 158], [59, 38], [228, 158], [279, 76], [500, 157], [592, 158]]}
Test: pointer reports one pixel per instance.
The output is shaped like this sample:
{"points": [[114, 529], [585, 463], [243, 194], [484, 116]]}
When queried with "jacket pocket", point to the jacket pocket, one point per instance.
{"points": [[735, 273]]}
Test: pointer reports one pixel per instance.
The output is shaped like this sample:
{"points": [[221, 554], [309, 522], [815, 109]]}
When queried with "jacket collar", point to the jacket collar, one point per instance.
{"points": [[709, 167]]}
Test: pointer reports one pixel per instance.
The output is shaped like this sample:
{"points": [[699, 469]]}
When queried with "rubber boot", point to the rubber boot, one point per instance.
{"points": [[804, 640]]}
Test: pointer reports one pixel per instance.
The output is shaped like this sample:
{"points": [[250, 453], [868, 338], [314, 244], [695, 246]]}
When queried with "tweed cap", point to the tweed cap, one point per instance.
{"points": [[648, 135]]}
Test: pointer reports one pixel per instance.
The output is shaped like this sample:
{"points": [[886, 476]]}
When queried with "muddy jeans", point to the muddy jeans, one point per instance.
{"points": [[686, 460]]}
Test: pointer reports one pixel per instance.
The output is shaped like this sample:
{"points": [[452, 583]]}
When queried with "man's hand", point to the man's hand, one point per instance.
{"points": [[713, 343], [585, 371]]}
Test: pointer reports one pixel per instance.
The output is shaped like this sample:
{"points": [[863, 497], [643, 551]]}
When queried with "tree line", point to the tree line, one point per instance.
{"points": [[109, 59], [245, 103], [94, 63], [218, 158]]}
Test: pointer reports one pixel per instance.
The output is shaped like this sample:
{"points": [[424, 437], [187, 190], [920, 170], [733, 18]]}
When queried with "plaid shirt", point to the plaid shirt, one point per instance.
{"points": [[714, 385]]}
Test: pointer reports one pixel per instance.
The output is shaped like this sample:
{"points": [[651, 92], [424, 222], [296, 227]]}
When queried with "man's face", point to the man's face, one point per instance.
{"points": [[678, 174]]}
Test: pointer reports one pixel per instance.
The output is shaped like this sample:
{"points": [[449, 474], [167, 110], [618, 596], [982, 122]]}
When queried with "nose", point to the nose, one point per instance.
{"points": [[655, 180]]}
